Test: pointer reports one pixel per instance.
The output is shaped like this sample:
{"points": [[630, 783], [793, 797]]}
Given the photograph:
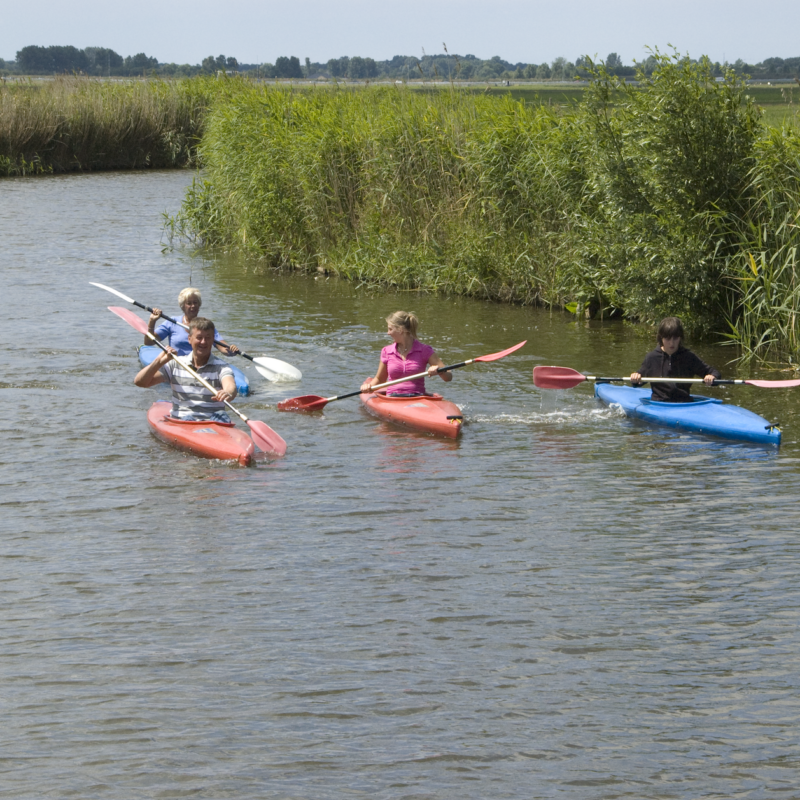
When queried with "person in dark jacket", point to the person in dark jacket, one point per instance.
{"points": [[672, 360]]}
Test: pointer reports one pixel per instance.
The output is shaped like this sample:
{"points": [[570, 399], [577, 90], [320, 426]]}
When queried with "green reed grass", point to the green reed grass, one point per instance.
{"points": [[643, 200], [763, 274], [447, 191], [76, 123]]}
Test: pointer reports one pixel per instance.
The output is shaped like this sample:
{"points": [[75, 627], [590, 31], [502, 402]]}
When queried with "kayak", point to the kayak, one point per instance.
{"points": [[706, 415], [222, 440], [430, 412], [147, 352]]}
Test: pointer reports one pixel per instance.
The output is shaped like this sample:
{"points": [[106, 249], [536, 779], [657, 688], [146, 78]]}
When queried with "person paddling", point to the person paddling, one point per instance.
{"points": [[672, 360], [190, 399], [405, 356], [176, 335]]}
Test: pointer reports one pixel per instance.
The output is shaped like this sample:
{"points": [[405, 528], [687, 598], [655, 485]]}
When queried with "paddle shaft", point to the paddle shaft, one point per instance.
{"points": [[568, 378], [717, 381]]}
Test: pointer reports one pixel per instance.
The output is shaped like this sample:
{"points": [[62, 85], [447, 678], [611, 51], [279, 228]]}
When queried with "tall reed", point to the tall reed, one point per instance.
{"points": [[76, 123], [763, 275], [445, 191], [661, 198]]}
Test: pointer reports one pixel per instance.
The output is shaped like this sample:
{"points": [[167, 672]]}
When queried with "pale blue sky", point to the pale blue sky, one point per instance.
{"points": [[255, 31]]}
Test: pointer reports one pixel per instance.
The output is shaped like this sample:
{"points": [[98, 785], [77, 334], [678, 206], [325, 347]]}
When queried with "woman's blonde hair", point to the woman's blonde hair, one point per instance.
{"points": [[404, 319], [187, 293]]}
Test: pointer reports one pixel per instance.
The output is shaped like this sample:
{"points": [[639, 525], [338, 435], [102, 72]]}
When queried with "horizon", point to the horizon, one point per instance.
{"points": [[518, 32]]}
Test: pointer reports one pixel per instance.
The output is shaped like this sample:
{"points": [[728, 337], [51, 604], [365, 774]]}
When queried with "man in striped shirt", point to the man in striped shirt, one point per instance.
{"points": [[190, 399]]}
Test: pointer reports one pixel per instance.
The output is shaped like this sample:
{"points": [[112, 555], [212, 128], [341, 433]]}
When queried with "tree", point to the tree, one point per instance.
{"points": [[42, 60], [288, 67], [338, 66], [140, 62], [357, 68], [103, 61], [558, 68], [613, 63]]}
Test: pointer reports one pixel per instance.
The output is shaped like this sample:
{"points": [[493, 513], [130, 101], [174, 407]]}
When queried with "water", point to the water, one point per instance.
{"points": [[563, 604]]}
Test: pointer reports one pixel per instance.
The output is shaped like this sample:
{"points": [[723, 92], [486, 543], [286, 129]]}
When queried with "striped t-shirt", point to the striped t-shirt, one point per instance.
{"points": [[190, 399]]}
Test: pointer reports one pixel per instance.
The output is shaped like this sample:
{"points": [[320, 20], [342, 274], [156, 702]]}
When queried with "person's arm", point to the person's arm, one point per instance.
{"points": [[707, 372], [434, 362], [645, 371], [151, 375], [225, 348], [228, 391], [151, 325], [381, 376]]}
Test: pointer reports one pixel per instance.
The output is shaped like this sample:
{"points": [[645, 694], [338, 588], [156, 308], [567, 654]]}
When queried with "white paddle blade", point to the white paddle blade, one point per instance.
{"points": [[277, 371]]}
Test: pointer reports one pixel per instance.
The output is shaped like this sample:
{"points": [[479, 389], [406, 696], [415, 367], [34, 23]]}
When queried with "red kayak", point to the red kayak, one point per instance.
{"points": [[430, 412], [222, 440]]}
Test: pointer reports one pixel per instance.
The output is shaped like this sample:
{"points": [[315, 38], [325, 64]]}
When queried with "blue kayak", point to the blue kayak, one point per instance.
{"points": [[147, 352], [705, 415]]}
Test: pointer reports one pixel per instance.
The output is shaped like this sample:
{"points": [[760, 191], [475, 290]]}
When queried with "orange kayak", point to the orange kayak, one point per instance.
{"points": [[222, 440], [430, 412]]}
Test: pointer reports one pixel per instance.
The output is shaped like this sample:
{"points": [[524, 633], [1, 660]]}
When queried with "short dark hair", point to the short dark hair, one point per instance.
{"points": [[201, 324], [669, 327]]}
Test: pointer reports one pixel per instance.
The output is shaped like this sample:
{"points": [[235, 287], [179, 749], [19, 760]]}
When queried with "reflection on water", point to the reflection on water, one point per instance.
{"points": [[563, 603]]}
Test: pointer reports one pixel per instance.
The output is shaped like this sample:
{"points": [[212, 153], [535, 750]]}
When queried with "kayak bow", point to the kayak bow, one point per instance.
{"points": [[428, 413]]}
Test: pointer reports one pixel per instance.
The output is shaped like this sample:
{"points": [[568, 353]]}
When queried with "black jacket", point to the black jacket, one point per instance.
{"points": [[683, 364]]}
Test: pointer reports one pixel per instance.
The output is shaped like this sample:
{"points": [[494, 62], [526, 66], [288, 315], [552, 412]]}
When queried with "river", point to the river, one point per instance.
{"points": [[562, 604]]}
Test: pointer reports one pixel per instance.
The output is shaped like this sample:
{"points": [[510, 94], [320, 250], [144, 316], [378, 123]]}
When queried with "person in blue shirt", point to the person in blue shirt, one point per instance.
{"points": [[176, 335]]}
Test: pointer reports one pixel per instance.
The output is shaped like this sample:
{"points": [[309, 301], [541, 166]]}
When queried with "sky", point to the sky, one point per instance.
{"points": [[531, 31]]}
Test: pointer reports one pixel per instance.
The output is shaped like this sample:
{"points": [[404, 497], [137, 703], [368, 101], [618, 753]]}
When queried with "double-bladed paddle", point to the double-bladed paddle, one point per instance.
{"points": [[313, 402], [266, 438], [273, 369], [566, 378]]}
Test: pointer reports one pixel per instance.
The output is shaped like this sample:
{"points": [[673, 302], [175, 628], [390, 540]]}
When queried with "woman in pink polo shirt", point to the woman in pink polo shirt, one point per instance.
{"points": [[405, 356]]}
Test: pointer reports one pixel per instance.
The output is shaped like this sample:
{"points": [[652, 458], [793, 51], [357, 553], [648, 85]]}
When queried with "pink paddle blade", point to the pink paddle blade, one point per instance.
{"points": [[501, 354], [129, 317], [774, 384], [266, 438], [306, 402], [556, 377]]}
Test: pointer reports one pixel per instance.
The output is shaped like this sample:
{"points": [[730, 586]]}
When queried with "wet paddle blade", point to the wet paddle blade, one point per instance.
{"points": [[556, 377], [773, 384], [266, 439], [129, 317], [307, 402], [273, 369], [113, 291], [501, 354]]}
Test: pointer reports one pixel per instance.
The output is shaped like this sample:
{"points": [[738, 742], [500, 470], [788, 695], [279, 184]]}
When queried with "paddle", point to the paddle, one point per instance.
{"points": [[566, 378], [263, 435], [313, 402], [273, 369]]}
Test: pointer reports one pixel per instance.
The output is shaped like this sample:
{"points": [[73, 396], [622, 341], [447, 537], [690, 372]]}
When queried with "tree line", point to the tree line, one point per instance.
{"points": [[103, 61]]}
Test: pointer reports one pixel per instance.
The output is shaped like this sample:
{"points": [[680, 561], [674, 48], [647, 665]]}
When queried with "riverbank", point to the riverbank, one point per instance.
{"points": [[673, 196], [669, 197]]}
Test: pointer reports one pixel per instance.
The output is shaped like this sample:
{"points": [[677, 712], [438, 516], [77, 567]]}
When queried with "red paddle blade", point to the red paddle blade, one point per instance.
{"points": [[132, 319], [307, 402], [502, 353], [266, 438], [773, 384], [556, 377]]}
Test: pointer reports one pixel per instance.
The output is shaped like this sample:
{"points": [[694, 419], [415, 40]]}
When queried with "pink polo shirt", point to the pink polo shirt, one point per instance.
{"points": [[416, 361]]}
